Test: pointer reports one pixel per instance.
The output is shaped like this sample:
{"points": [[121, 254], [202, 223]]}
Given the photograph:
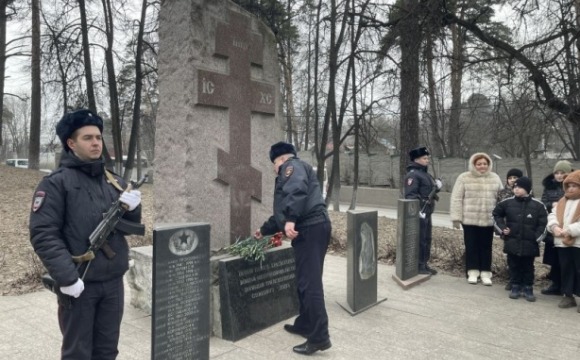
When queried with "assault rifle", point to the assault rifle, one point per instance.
{"points": [[112, 220], [422, 213]]}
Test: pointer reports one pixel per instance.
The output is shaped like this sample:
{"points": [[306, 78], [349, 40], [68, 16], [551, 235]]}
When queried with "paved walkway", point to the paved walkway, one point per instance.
{"points": [[443, 318]]}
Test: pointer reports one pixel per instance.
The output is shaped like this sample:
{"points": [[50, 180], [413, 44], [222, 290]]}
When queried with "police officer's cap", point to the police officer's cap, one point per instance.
{"points": [[281, 148], [72, 121], [418, 152]]}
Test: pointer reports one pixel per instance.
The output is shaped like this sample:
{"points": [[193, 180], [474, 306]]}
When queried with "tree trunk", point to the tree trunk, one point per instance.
{"points": [[308, 90], [438, 147], [456, 78], [138, 85], [35, 95], [3, 4], [113, 93], [356, 118], [410, 47], [89, 70]]}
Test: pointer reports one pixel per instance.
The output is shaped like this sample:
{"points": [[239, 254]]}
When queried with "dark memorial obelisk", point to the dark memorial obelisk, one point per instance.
{"points": [[361, 268], [219, 101], [407, 262], [180, 306]]}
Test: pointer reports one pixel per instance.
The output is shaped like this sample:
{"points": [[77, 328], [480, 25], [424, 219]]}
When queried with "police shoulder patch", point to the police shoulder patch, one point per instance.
{"points": [[39, 197], [409, 181], [289, 171]]}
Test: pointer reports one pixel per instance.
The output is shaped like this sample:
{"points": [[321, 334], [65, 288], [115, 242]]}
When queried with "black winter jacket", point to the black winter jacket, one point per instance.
{"points": [[297, 198], [526, 218], [68, 205], [553, 191], [419, 184]]}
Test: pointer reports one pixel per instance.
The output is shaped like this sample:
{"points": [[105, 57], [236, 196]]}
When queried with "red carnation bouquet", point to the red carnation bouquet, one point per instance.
{"points": [[254, 250]]}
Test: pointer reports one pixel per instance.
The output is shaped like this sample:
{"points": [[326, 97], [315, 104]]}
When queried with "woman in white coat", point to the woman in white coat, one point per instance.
{"points": [[472, 201]]}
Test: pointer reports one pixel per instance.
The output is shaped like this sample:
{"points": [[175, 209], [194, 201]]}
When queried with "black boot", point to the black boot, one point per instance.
{"points": [[431, 270], [553, 289], [515, 292], [529, 294]]}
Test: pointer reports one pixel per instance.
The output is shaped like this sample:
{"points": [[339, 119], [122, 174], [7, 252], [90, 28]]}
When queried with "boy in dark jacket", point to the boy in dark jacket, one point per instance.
{"points": [[522, 221]]}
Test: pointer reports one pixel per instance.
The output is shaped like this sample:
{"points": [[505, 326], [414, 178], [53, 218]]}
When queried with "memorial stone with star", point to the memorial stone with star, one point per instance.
{"points": [[181, 292], [217, 118]]}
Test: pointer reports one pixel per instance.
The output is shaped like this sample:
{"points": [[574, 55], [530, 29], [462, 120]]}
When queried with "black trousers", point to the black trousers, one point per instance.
{"points": [[551, 258], [425, 238], [521, 270], [90, 324], [478, 241], [570, 267], [310, 248]]}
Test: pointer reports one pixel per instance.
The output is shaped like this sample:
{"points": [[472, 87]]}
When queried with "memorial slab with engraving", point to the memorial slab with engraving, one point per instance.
{"points": [[361, 269], [254, 296], [218, 117], [181, 292], [407, 261]]}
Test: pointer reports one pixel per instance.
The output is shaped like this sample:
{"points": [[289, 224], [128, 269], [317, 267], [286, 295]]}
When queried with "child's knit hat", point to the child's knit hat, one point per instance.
{"points": [[564, 166], [514, 172], [525, 183]]}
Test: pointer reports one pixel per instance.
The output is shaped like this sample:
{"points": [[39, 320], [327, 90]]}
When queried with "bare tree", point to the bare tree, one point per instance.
{"points": [[112, 82], [35, 98], [135, 124], [410, 38], [4, 15]]}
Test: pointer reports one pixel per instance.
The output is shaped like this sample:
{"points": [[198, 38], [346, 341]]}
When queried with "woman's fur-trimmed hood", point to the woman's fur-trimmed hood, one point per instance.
{"points": [[471, 165], [550, 183]]}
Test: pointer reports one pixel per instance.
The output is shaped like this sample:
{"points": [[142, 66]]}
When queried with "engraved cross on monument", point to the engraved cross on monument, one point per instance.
{"points": [[241, 95]]}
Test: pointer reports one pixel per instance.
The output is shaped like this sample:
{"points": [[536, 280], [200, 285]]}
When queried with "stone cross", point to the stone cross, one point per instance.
{"points": [[241, 96]]}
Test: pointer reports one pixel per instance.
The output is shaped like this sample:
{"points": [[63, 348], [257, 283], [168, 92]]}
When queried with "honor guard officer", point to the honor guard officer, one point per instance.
{"points": [[68, 205], [300, 211], [420, 185]]}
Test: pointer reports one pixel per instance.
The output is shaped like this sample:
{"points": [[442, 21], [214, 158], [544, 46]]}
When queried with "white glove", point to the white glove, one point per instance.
{"points": [[131, 198], [438, 183], [73, 290]]}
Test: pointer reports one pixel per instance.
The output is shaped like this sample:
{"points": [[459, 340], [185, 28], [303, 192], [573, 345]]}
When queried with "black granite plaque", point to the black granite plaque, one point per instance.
{"points": [[181, 278], [254, 296], [361, 290], [407, 263]]}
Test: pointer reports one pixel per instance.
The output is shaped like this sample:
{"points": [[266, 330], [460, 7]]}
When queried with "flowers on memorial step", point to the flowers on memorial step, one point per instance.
{"points": [[254, 250]]}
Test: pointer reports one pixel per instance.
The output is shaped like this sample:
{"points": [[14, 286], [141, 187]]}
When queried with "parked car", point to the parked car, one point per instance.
{"points": [[19, 163]]}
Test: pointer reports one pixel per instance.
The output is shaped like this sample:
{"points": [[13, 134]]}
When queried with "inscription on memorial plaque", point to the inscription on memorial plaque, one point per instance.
{"points": [[254, 296], [407, 263], [181, 274], [240, 94]]}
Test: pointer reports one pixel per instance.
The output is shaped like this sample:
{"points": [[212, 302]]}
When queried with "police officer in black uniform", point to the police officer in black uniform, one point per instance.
{"points": [[419, 184], [68, 205], [300, 211]]}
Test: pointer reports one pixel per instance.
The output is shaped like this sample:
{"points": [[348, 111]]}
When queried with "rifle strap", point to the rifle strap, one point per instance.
{"points": [[113, 181], [88, 256]]}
